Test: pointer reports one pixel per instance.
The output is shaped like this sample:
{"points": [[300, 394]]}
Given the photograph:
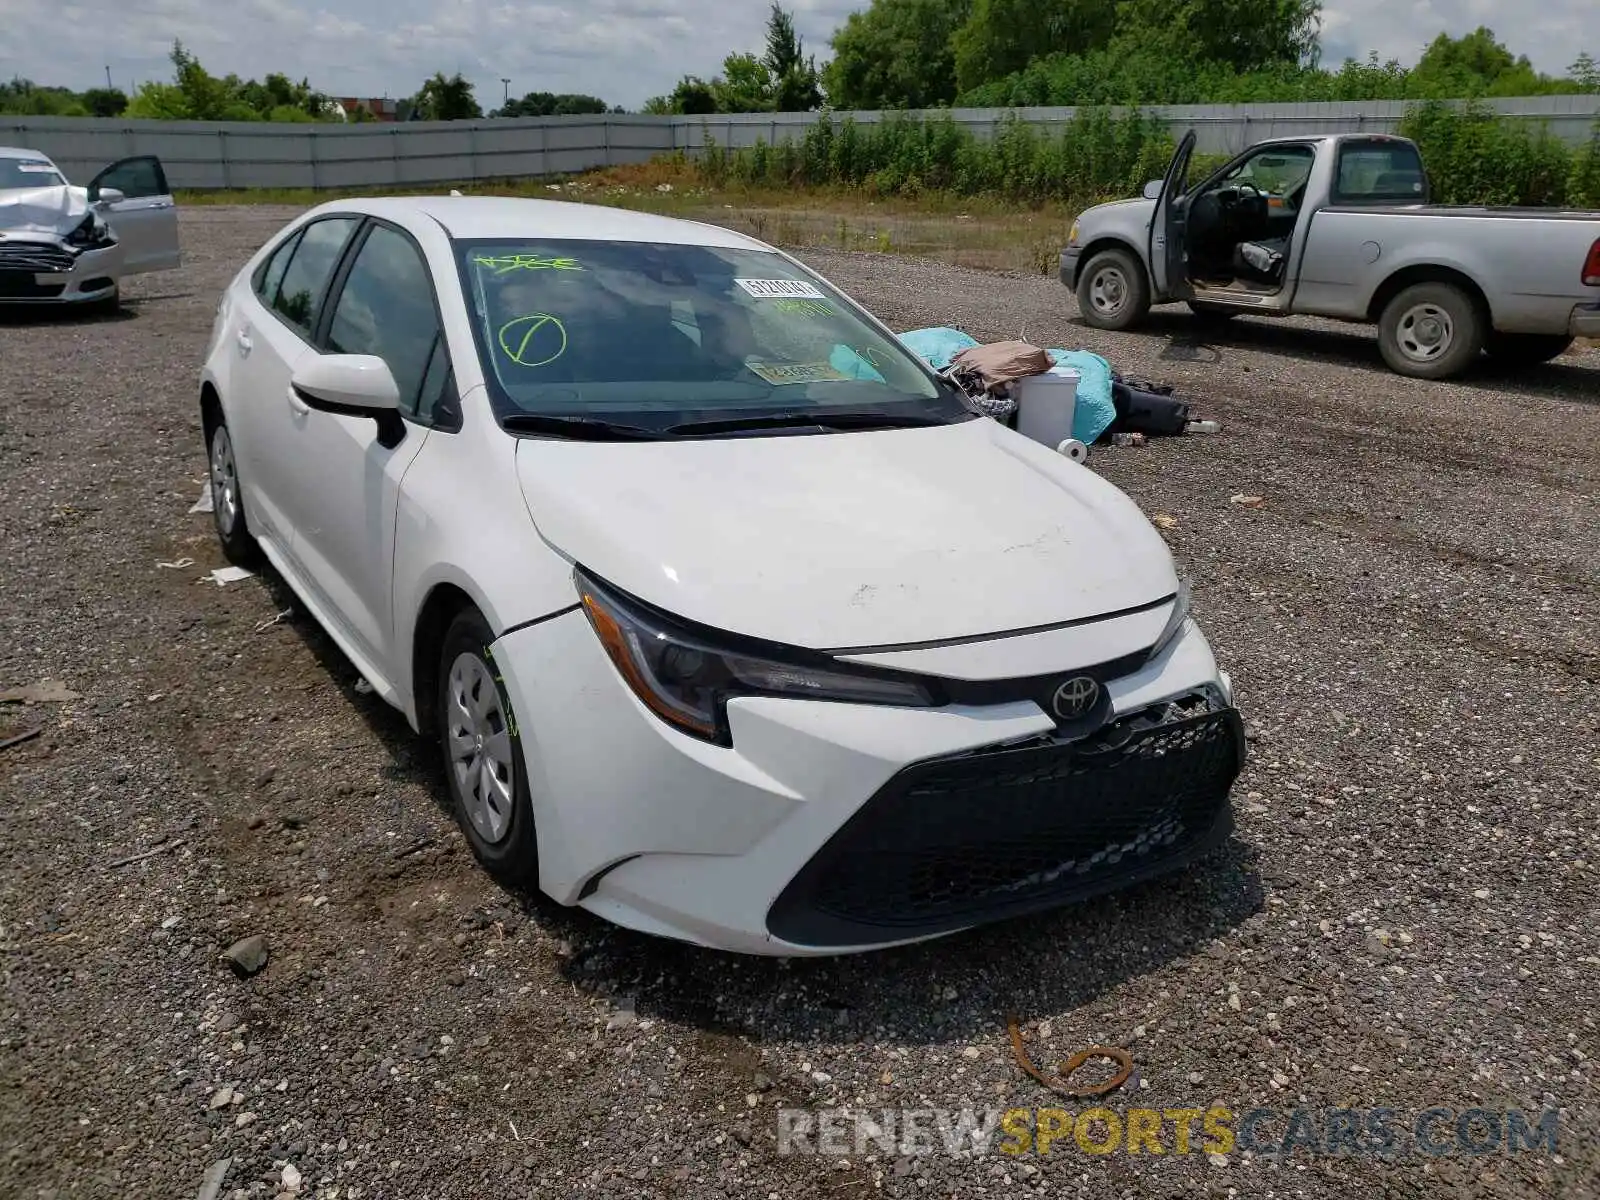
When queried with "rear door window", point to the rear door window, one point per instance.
{"points": [[269, 276]]}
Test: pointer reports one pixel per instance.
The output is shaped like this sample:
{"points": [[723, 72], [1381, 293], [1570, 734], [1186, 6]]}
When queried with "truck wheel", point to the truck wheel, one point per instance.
{"points": [[1526, 349], [1431, 331], [1208, 311], [1112, 290]]}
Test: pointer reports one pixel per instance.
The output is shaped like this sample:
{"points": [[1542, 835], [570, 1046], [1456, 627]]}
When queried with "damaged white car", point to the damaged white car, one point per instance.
{"points": [[62, 244], [732, 621]]}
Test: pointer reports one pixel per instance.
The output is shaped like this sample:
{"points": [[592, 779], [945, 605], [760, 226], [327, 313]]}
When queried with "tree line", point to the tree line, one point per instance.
{"points": [[926, 54], [194, 94], [908, 54]]}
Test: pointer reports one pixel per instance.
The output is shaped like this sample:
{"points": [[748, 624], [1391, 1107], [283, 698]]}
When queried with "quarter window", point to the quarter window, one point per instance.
{"points": [[386, 308], [298, 298], [270, 274]]}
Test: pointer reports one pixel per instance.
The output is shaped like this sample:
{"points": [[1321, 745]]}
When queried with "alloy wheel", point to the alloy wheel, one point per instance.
{"points": [[224, 482]]}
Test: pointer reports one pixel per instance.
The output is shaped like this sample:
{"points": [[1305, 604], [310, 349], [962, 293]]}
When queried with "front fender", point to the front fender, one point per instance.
{"points": [[463, 523]]}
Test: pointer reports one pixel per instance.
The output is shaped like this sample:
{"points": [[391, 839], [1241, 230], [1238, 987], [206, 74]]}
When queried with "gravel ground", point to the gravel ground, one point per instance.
{"points": [[1406, 918]]}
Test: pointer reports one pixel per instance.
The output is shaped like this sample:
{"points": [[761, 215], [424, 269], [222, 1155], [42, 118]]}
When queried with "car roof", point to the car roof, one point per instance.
{"points": [[520, 217], [19, 152]]}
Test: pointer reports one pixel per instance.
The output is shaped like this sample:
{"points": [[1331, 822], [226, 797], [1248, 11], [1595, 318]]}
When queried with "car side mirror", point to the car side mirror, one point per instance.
{"points": [[1152, 190], [352, 385], [106, 195]]}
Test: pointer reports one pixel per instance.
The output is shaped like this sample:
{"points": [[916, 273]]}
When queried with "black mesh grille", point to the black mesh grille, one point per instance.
{"points": [[958, 841], [14, 285], [33, 257]]}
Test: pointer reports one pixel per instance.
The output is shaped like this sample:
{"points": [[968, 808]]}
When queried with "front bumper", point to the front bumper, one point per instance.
{"points": [[1070, 257], [786, 843], [1586, 321], [51, 273]]}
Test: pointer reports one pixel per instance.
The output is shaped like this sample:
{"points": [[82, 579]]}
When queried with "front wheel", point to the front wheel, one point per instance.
{"points": [[1113, 292], [108, 306], [1526, 349], [483, 754], [1431, 331]]}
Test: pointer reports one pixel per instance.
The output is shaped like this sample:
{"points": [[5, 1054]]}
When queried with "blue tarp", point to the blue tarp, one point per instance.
{"points": [[1094, 410], [937, 347]]}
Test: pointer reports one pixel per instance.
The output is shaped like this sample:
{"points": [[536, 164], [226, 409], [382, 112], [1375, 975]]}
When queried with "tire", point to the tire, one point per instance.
{"points": [[107, 306], [1207, 311], [482, 753], [1526, 349], [1112, 291], [239, 545], [1431, 331]]}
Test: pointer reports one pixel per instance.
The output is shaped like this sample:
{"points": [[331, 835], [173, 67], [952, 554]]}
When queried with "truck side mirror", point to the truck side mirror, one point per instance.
{"points": [[1152, 190]]}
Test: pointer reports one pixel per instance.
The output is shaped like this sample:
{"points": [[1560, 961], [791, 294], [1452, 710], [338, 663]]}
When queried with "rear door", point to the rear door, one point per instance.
{"points": [[1166, 254], [145, 219]]}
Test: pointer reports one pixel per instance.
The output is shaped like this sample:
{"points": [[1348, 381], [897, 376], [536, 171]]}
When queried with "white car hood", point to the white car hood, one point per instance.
{"points": [[54, 210], [850, 540]]}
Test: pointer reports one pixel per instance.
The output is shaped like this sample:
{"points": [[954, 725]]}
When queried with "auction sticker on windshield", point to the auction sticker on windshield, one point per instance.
{"points": [[778, 373], [780, 289]]}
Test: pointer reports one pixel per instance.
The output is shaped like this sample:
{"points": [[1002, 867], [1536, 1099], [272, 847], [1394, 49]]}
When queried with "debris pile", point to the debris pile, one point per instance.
{"points": [[1102, 407]]}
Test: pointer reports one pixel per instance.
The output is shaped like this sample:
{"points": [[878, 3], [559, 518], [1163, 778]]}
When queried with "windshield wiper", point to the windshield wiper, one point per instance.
{"points": [[591, 429], [822, 419]]}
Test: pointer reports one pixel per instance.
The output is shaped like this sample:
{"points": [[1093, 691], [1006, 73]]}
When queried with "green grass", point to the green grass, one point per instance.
{"points": [[981, 231]]}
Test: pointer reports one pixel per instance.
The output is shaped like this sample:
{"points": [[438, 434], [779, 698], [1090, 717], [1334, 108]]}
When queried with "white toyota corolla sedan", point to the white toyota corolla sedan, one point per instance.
{"points": [[734, 623]]}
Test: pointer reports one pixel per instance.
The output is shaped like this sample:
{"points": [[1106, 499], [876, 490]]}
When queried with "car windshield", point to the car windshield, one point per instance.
{"points": [[18, 173], [656, 335]]}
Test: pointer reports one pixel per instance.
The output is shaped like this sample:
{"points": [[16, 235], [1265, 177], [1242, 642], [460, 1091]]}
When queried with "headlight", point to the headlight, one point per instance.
{"points": [[91, 231], [686, 680], [1174, 625], [1072, 235]]}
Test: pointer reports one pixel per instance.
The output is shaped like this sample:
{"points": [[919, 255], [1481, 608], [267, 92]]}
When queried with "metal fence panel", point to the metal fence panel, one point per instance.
{"points": [[205, 155]]}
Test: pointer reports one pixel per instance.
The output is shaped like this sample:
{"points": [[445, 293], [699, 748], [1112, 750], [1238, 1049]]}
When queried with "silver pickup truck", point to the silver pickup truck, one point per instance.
{"points": [[1341, 227]]}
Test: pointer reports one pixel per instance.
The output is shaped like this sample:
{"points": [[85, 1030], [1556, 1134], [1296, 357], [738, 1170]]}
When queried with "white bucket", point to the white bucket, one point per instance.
{"points": [[1045, 405]]}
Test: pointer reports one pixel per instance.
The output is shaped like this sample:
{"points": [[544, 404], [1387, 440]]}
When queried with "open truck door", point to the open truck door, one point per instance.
{"points": [[133, 196], [1168, 262]]}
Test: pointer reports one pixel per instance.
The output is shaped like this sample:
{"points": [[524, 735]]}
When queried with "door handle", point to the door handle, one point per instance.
{"points": [[299, 407], [243, 338]]}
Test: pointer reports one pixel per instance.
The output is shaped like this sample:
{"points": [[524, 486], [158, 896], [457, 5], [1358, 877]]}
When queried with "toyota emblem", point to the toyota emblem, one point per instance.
{"points": [[1075, 698]]}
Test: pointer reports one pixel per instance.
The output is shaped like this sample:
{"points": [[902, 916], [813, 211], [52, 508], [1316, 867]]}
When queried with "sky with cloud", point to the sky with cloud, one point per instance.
{"points": [[622, 50]]}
